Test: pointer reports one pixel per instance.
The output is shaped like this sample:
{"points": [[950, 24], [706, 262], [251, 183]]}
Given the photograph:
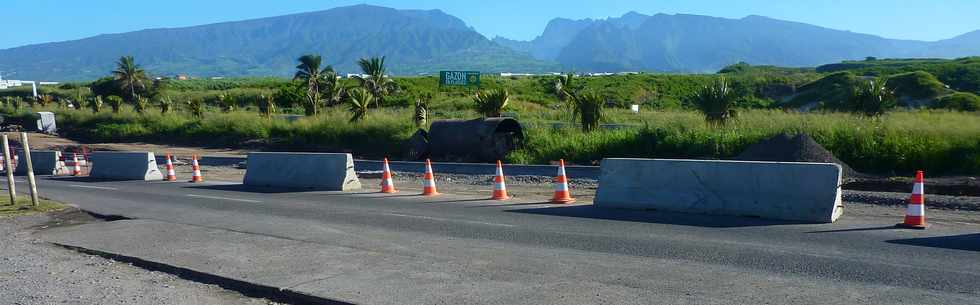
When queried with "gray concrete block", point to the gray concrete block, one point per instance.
{"points": [[125, 166], [45, 162], [808, 192], [324, 171]]}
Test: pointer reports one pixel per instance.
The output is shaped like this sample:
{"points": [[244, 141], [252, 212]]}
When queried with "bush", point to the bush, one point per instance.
{"points": [[915, 85], [960, 101]]}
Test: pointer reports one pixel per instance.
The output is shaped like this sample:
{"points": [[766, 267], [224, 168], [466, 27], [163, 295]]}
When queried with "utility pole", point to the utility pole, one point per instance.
{"points": [[30, 169], [11, 184]]}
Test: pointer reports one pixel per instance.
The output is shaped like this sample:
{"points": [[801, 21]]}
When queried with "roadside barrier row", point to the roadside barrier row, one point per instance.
{"points": [[914, 217]]}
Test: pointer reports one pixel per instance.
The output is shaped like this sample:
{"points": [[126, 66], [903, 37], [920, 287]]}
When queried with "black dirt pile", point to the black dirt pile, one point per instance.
{"points": [[786, 148]]}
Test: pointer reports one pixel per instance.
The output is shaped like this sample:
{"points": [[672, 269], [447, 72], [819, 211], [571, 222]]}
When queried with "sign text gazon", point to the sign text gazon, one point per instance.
{"points": [[459, 78]]}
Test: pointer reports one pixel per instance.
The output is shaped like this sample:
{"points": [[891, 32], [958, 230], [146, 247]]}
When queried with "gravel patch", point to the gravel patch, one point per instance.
{"points": [[961, 203], [35, 272]]}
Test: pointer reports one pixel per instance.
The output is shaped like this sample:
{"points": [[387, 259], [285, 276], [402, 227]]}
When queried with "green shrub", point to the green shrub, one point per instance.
{"points": [[960, 101], [716, 102], [491, 103], [872, 98], [915, 85]]}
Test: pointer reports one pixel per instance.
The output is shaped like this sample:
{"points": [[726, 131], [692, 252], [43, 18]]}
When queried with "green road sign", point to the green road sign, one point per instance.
{"points": [[459, 78]]}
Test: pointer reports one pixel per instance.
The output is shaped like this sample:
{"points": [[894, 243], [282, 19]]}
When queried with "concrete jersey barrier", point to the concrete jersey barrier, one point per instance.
{"points": [[45, 162], [808, 192], [322, 171], [125, 166]]}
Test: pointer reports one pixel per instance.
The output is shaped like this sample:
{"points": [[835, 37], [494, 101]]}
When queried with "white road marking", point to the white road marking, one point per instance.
{"points": [[224, 198], [94, 187], [451, 220]]}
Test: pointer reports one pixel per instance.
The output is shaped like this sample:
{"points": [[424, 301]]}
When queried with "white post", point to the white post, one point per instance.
{"points": [[30, 168], [11, 184]]}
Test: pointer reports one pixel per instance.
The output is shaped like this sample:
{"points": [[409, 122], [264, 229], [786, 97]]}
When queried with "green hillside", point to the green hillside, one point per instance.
{"points": [[961, 74]]}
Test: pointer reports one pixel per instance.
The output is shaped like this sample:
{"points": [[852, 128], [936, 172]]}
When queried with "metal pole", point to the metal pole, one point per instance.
{"points": [[11, 184], [30, 168]]}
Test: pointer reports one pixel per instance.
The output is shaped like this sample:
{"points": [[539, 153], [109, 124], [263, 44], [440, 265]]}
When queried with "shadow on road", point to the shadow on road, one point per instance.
{"points": [[968, 242], [714, 221]]}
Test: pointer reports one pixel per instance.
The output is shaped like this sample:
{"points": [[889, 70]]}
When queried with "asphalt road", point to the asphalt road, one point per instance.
{"points": [[679, 258]]}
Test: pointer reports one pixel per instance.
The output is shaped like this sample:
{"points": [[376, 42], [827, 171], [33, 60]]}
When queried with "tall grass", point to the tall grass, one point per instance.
{"points": [[939, 142]]}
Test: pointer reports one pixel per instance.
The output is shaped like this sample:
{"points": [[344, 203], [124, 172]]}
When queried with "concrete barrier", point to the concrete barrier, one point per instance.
{"points": [[125, 166], [45, 162], [807, 192], [322, 171]]}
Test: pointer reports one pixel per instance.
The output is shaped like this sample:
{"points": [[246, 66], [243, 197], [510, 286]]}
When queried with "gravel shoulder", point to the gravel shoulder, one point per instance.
{"points": [[35, 272]]}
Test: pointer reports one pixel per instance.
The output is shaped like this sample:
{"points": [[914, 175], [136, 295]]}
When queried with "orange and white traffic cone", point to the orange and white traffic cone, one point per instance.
{"points": [[429, 181], [387, 185], [499, 187], [562, 193], [915, 215], [60, 167], [196, 176], [77, 168], [171, 175]]}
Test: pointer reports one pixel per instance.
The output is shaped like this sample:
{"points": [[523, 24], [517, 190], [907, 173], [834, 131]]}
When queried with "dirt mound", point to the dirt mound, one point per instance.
{"points": [[786, 148]]}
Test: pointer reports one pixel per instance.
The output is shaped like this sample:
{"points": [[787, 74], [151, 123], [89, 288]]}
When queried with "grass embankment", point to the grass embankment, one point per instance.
{"points": [[939, 142], [23, 206]]}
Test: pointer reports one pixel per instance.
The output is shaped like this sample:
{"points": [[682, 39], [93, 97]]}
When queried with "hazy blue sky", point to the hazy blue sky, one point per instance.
{"points": [[35, 21]]}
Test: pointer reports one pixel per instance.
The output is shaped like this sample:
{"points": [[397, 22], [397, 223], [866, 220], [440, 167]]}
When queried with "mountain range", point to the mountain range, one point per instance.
{"points": [[414, 41], [693, 43], [427, 41]]}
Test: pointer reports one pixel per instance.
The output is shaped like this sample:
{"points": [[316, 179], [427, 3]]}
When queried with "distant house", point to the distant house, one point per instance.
{"points": [[181, 77]]}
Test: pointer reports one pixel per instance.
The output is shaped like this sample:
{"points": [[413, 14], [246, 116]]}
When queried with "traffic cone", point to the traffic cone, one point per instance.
{"points": [[387, 186], [429, 181], [171, 175], [915, 215], [59, 166], [77, 168], [499, 187], [196, 176], [562, 193]]}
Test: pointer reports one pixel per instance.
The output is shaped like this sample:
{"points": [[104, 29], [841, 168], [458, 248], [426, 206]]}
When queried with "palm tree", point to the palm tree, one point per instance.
{"points": [[314, 79], [141, 104], [95, 104], [267, 106], [491, 103], [358, 101], [129, 76], [716, 102], [115, 103], [589, 107], [196, 106], [563, 87], [333, 90], [166, 105], [872, 98], [422, 109], [377, 81], [564, 91]]}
